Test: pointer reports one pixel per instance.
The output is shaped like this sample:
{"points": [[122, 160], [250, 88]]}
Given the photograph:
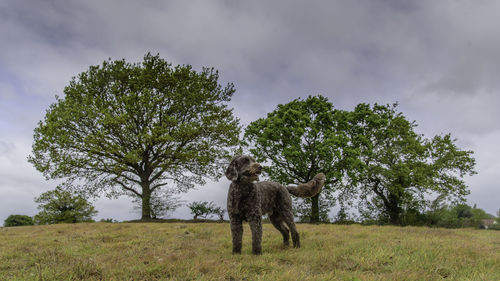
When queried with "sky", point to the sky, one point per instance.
{"points": [[439, 60]]}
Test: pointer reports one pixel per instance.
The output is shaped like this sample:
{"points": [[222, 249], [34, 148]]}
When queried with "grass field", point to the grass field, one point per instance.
{"points": [[202, 251]]}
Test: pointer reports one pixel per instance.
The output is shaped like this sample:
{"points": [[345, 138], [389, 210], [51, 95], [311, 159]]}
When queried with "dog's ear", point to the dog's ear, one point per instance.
{"points": [[231, 172]]}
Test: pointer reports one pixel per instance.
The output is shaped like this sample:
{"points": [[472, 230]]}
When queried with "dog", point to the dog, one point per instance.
{"points": [[249, 200]]}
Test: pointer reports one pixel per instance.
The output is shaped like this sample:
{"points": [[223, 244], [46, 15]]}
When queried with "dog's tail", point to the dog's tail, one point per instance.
{"points": [[309, 189]]}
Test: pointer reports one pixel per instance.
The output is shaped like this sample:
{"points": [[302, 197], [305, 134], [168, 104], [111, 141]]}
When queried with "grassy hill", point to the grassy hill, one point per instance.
{"points": [[202, 251]]}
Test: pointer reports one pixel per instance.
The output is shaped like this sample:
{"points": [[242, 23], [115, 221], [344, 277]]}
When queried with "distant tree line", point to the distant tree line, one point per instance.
{"points": [[447, 216]]}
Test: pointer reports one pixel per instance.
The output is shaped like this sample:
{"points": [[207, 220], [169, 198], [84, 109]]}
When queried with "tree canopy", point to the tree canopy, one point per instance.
{"points": [[371, 155], [124, 128], [18, 220], [399, 170]]}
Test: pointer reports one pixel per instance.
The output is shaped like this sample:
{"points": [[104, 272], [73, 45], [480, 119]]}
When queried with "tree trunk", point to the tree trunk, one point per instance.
{"points": [[394, 215], [393, 210], [146, 202], [391, 204], [315, 208]]}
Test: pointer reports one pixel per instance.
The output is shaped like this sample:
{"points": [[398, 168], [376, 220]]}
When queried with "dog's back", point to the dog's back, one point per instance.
{"points": [[274, 197]]}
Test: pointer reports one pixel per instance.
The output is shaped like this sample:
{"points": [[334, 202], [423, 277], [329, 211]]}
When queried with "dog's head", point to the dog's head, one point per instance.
{"points": [[243, 169]]}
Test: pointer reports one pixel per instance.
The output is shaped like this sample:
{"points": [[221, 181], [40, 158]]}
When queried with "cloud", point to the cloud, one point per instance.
{"points": [[19, 183], [438, 59]]}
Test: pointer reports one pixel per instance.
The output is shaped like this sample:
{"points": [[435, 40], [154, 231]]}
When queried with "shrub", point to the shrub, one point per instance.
{"points": [[18, 220], [494, 226]]}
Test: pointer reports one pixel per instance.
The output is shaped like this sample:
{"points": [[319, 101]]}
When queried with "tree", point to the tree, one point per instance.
{"points": [[463, 211], [219, 211], [300, 139], [18, 220], [201, 209], [131, 129], [399, 170], [62, 206], [498, 216]]}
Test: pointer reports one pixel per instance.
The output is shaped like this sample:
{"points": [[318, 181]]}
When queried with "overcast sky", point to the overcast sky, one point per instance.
{"points": [[439, 59]]}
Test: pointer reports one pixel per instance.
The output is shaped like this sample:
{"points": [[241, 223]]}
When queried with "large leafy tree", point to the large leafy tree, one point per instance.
{"points": [[62, 206], [398, 170], [300, 139], [124, 128]]}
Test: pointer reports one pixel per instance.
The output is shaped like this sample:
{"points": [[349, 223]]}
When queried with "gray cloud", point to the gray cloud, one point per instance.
{"points": [[438, 59]]}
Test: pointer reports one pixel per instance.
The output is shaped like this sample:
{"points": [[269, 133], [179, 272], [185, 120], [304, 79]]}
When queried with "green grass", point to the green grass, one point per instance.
{"points": [[202, 251]]}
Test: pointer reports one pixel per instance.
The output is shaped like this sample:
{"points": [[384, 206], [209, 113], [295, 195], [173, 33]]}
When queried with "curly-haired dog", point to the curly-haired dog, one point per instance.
{"points": [[249, 200]]}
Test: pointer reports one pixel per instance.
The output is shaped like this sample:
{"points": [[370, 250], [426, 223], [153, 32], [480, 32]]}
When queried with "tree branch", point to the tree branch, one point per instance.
{"points": [[127, 188]]}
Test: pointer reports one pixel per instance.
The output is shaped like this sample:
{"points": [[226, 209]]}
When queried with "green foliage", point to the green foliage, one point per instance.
{"points": [[481, 214], [219, 212], [397, 169], [18, 220], [62, 206], [300, 139], [372, 155], [125, 128], [498, 216], [454, 216], [203, 209]]}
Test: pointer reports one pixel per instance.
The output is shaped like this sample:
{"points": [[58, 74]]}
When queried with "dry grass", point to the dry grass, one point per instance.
{"points": [[181, 251]]}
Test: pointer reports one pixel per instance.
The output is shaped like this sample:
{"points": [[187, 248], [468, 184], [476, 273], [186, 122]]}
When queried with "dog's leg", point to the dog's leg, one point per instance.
{"points": [[256, 228], [278, 223], [237, 233], [288, 218]]}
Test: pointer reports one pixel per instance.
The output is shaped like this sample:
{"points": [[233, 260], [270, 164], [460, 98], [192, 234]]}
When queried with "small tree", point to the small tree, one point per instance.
{"points": [[498, 216], [201, 209], [219, 211], [18, 220], [62, 206]]}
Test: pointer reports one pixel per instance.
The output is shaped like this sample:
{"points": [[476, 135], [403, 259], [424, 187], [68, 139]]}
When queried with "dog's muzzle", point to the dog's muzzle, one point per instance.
{"points": [[253, 170]]}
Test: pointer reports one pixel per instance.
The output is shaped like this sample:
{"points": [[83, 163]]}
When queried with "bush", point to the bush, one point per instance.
{"points": [[18, 220], [494, 226]]}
